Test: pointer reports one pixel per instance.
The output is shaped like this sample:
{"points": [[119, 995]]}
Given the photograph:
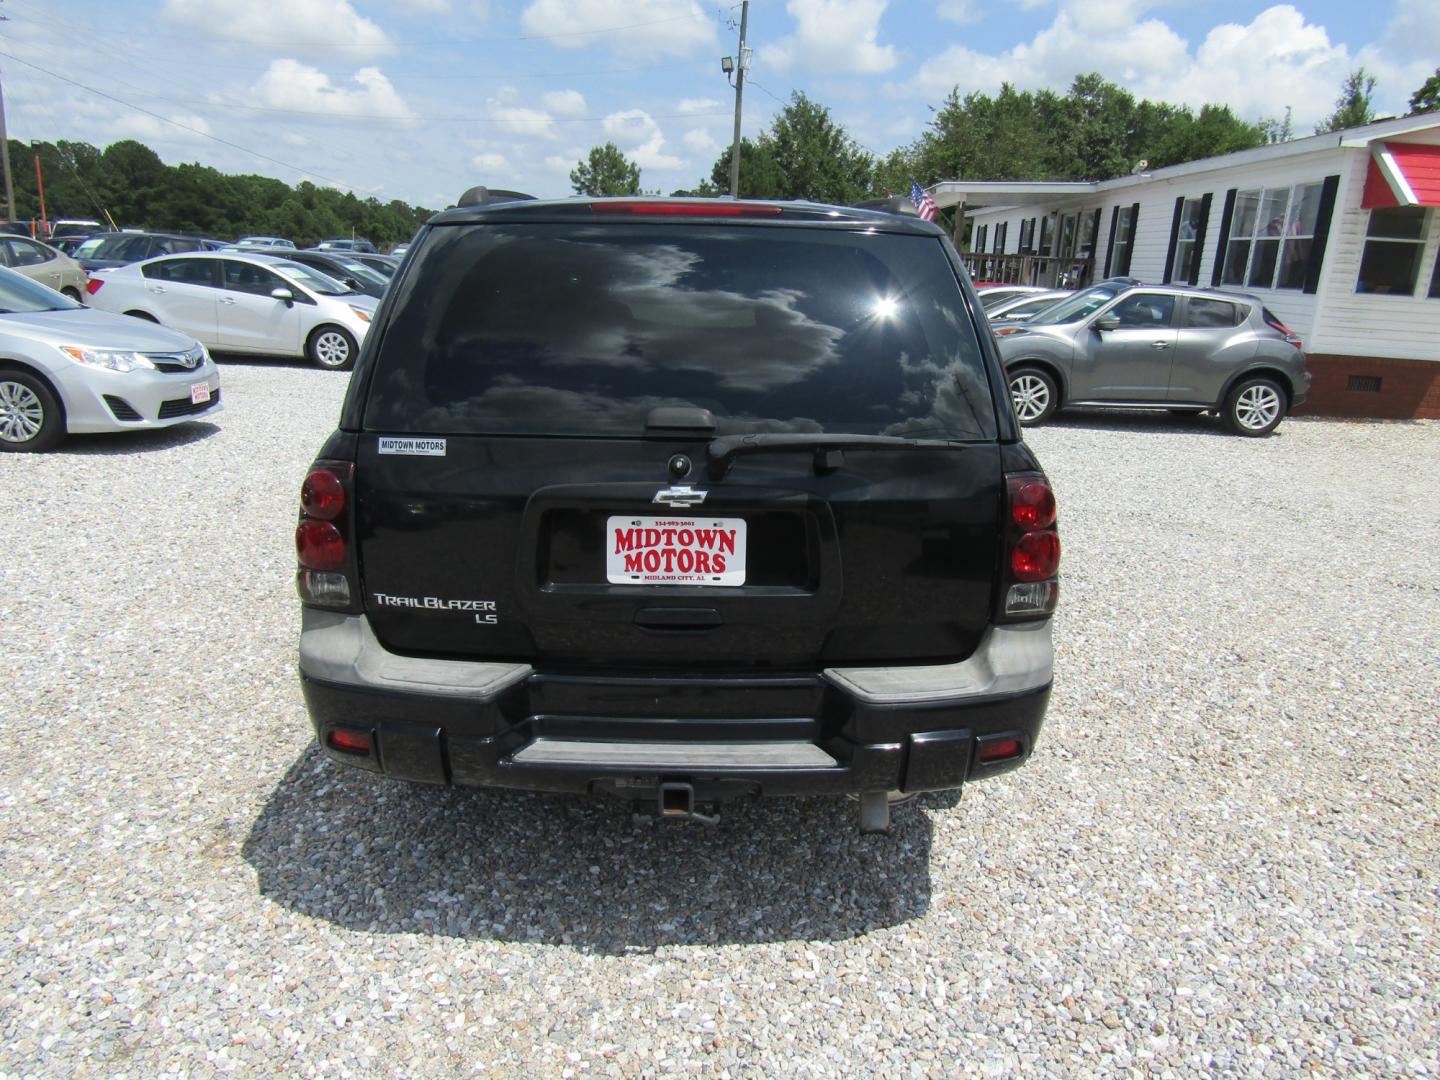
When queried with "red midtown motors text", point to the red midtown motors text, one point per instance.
{"points": [[687, 549]]}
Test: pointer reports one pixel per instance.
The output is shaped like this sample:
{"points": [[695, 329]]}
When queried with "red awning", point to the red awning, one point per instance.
{"points": [[1402, 174]]}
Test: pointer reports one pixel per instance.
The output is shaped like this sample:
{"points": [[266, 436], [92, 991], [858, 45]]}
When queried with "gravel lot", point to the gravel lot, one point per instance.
{"points": [[1222, 859]]}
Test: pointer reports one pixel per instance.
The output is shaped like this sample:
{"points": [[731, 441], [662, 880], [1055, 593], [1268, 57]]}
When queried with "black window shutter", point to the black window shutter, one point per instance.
{"points": [[1322, 233], [1199, 248], [1110, 244], [1226, 216], [1124, 271], [1174, 239]]}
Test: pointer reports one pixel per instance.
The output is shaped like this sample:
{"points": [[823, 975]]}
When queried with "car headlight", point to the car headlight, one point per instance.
{"points": [[364, 315], [109, 359]]}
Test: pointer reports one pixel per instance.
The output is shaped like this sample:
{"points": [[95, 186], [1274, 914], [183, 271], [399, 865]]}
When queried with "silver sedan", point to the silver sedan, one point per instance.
{"points": [[69, 369]]}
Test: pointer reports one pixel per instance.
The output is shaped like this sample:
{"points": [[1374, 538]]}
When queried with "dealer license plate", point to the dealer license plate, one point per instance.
{"points": [[675, 551], [199, 392]]}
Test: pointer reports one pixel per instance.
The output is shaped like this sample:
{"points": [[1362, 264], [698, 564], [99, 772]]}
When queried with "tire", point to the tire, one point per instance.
{"points": [[73, 294], [1035, 395], [31, 419], [332, 348], [1254, 407], [143, 316]]}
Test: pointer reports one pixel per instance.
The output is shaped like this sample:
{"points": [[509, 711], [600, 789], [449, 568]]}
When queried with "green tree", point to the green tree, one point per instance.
{"points": [[1427, 98], [1355, 105], [606, 172], [804, 154]]}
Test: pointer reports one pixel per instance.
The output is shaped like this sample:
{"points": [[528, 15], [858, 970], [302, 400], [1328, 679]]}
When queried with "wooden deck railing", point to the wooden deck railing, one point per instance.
{"points": [[1044, 270]]}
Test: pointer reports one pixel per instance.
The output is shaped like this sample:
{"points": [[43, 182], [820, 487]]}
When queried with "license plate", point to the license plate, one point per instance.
{"points": [[675, 551], [199, 393]]}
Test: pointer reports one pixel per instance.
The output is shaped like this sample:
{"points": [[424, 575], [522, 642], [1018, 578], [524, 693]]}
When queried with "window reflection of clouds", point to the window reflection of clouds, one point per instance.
{"points": [[544, 329]]}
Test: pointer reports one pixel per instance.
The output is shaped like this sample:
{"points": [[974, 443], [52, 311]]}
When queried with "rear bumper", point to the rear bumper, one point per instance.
{"points": [[834, 731]]}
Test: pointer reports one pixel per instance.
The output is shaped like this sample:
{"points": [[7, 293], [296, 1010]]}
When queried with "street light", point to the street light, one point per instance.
{"points": [[727, 64]]}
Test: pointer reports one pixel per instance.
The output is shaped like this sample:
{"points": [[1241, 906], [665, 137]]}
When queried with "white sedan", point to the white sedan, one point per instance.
{"points": [[242, 303]]}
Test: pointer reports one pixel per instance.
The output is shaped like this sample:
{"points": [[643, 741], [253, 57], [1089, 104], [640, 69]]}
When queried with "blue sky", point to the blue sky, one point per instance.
{"points": [[420, 99]]}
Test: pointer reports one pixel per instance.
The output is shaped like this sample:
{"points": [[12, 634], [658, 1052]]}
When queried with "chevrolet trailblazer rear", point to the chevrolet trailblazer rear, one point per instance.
{"points": [[680, 501]]}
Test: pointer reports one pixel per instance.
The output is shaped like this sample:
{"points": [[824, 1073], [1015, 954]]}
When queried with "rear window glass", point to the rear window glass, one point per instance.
{"points": [[564, 330]]}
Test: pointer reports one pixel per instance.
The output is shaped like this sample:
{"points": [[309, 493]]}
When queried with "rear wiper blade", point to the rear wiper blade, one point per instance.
{"points": [[828, 449]]}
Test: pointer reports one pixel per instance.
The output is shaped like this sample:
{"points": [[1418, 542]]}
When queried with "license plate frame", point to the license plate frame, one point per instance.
{"points": [[681, 547], [199, 393]]}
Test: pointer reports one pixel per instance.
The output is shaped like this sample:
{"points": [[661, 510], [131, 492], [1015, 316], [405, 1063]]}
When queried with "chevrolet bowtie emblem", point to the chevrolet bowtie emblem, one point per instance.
{"points": [[680, 496]]}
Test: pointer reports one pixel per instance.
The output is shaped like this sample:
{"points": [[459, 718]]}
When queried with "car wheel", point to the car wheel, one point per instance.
{"points": [[72, 293], [1254, 407], [30, 417], [146, 316], [1035, 395], [331, 347]]}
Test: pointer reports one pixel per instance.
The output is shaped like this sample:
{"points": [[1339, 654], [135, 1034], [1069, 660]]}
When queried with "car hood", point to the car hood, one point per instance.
{"points": [[97, 329]]}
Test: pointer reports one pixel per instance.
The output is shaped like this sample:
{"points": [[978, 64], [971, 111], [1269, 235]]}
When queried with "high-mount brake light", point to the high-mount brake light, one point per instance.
{"points": [[322, 495], [92, 286], [709, 208]]}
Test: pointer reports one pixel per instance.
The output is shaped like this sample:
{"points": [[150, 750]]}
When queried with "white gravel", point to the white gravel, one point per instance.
{"points": [[1222, 859]]}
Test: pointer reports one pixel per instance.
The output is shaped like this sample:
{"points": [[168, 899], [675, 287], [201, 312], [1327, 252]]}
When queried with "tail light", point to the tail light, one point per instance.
{"points": [[323, 538], [92, 285], [1273, 321], [706, 208], [1032, 548]]}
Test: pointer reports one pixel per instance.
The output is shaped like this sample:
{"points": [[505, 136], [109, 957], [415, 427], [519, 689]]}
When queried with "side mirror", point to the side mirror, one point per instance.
{"points": [[352, 283], [283, 294], [1108, 322]]}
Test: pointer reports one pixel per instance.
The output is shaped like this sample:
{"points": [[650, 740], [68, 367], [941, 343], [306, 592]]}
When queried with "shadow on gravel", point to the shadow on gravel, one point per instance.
{"points": [[384, 856], [1144, 422], [137, 442]]}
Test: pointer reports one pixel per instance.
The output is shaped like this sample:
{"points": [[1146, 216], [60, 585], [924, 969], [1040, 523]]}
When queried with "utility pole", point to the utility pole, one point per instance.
{"points": [[742, 62], [5, 163]]}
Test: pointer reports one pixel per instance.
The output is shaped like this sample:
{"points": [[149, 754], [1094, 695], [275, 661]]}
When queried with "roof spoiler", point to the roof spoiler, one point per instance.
{"points": [[483, 196]]}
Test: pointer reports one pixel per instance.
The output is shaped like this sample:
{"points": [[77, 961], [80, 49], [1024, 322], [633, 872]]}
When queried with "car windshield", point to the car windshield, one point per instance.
{"points": [[18, 294], [369, 275], [553, 330], [991, 298], [1074, 308], [312, 279]]}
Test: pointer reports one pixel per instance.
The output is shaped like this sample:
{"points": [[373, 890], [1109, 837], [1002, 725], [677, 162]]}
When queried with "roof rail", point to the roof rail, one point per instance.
{"points": [[482, 196]]}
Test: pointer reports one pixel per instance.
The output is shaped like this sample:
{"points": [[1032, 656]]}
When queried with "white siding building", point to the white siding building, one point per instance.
{"points": [[1336, 233]]}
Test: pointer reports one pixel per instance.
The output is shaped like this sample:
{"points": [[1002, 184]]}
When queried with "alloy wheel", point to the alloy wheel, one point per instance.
{"points": [[1031, 395], [1257, 407], [21, 413], [332, 349]]}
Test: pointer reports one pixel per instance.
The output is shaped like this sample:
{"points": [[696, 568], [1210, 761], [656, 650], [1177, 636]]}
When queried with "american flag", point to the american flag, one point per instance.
{"points": [[922, 200]]}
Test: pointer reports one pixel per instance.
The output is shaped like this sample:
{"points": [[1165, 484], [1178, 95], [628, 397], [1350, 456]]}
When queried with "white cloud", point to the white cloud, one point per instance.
{"points": [[1275, 60], [296, 25], [289, 84], [833, 36], [645, 27], [960, 11], [565, 102], [691, 106], [292, 138], [423, 7], [492, 163], [702, 142], [639, 136]]}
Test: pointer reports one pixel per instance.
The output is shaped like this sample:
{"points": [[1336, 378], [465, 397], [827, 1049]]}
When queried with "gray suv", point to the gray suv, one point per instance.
{"points": [[1156, 346]]}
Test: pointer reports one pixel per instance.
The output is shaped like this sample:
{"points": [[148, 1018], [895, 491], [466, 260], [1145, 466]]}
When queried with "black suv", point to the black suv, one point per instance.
{"points": [[681, 501]]}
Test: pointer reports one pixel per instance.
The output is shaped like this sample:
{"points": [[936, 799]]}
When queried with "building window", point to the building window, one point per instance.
{"points": [[1027, 236], [1435, 279], [1047, 227], [1089, 226], [1271, 236], [980, 240], [1187, 251], [1394, 242], [1124, 237], [1000, 233]]}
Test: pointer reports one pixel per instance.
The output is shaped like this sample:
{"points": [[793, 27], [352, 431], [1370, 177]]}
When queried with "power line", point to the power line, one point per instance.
{"points": [[177, 123]]}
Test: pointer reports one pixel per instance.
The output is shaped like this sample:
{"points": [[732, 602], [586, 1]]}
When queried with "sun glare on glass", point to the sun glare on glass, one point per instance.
{"points": [[886, 307]]}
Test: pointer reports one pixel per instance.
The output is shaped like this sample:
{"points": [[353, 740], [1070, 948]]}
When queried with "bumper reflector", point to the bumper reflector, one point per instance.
{"points": [[349, 741], [999, 750]]}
